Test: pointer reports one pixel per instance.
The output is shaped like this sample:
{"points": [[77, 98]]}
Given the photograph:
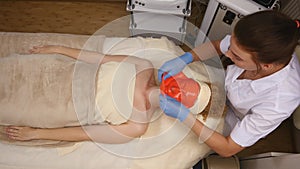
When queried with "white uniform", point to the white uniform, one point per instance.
{"points": [[257, 107]]}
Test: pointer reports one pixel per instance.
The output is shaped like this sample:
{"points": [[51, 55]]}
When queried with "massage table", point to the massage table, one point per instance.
{"points": [[166, 144]]}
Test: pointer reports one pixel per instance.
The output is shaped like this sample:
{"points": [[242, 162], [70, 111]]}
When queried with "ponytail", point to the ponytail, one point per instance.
{"points": [[297, 23]]}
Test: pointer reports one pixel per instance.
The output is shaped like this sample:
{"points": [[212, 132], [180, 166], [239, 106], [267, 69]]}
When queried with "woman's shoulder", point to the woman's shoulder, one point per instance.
{"points": [[287, 80], [291, 72], [294, 63]]}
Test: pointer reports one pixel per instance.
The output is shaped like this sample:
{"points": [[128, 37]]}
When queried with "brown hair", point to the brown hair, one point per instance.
{"points": [[270, 36]]}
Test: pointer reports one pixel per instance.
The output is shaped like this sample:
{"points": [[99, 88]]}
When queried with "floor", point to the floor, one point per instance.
{"points": [[87, 17]]}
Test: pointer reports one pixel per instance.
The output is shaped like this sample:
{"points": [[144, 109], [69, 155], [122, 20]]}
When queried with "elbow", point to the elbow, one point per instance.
{"points": [[229, 149], [229, 152], [140, 129], [226, 154]]}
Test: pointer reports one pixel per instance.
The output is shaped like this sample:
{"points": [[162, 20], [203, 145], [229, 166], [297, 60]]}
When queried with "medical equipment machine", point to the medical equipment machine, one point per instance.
{"points": [[221, 16], [271, 4], [157, 18]]}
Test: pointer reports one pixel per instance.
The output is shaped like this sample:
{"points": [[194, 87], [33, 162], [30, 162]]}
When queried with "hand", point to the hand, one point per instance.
{"points": [[174, 66], [173, 108], [20, 133], [48, 49]]}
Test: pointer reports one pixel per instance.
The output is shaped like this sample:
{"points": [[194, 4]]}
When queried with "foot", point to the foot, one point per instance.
{"points": [[20, 133]]}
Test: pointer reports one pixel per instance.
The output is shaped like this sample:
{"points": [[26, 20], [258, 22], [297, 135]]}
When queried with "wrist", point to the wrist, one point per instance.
{"points": [[184, 114], [37, 134], [58, 49], [187, 57], [189, 120]]}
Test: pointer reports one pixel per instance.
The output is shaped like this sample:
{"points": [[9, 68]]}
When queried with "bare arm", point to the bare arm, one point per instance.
{"points": [[100, 133], [224, 146], [206, 51], [90, 56]]}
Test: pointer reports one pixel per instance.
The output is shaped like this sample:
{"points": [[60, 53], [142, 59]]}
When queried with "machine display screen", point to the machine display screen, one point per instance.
{"points": [[265, 3]]}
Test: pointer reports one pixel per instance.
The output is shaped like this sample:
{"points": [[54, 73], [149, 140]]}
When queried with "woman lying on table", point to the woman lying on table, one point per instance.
{"points": [[145, 100]]}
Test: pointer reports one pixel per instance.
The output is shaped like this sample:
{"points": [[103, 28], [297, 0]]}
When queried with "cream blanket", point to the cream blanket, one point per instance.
{"points": [[45, 91], [36, 90]]}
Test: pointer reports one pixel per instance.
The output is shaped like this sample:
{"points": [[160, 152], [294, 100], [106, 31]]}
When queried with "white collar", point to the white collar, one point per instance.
{"points": [[267, 82]]}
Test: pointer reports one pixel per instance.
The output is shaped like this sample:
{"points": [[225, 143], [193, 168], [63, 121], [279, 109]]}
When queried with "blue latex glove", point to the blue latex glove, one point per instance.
{"points": [[173, 108], [174, 66]]}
